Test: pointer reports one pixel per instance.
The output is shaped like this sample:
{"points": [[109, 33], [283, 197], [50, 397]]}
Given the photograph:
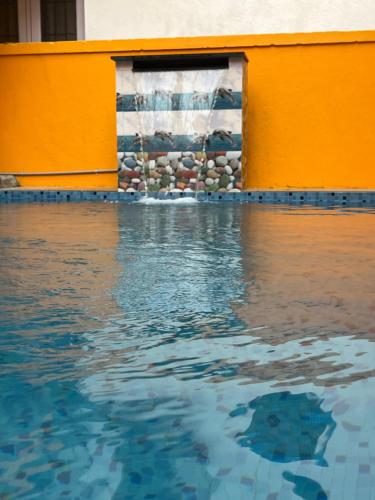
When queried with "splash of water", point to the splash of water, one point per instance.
{"points": [[157, 201]]}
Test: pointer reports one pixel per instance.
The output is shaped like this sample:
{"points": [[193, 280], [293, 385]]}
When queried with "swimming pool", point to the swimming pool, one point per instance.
{"points": [[197, 352]]}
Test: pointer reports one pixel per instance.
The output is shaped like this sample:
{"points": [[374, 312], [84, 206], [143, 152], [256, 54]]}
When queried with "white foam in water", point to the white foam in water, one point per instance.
{"points": [[168, 201]]}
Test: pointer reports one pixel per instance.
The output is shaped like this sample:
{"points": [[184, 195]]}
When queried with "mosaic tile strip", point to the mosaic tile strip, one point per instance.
{"points": [[131, 143], [187, 101], [316, 198]]}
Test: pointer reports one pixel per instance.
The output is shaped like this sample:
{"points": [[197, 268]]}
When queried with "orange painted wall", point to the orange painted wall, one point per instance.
{"points": [[311, 112], [58, 114], [309, 122]]}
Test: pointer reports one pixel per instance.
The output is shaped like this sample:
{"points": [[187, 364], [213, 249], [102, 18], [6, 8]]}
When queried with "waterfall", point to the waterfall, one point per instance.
{"points": [[174, 104]]}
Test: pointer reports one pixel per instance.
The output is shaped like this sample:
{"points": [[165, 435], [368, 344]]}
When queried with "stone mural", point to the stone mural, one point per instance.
{"points": [[179, 130]]}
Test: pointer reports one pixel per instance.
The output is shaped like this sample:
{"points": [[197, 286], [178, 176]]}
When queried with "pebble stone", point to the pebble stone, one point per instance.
{"points": [[188, 162], [233, 155], [221, 161], [180, 171], [162, 161], [174, 155], [234, 163], [130, 162]]}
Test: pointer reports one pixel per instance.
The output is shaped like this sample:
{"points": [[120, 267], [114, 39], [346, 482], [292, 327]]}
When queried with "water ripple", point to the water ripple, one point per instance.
{"points": [[151, 351]]}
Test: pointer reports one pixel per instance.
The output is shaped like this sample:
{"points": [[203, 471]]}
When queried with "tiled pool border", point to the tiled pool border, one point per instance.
{"points": [[310, 197]]}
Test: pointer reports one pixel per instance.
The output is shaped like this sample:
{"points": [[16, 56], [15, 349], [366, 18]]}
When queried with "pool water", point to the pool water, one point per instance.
{"points": [[186, 352]]}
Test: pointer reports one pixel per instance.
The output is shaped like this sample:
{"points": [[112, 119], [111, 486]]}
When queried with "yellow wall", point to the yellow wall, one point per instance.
{"points": [[309, 122], [312, 116], [57, 114]]}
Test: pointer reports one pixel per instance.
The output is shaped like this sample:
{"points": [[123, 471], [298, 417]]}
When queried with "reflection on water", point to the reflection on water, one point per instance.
{"points": [[132, 339]]}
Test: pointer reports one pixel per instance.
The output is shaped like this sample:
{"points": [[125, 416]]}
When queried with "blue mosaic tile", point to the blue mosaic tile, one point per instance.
{"points": [[112, 196], [319, 198]]}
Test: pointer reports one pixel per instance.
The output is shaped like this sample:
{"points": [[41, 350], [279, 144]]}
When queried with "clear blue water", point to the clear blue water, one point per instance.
{"points": [[193, 352]]}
